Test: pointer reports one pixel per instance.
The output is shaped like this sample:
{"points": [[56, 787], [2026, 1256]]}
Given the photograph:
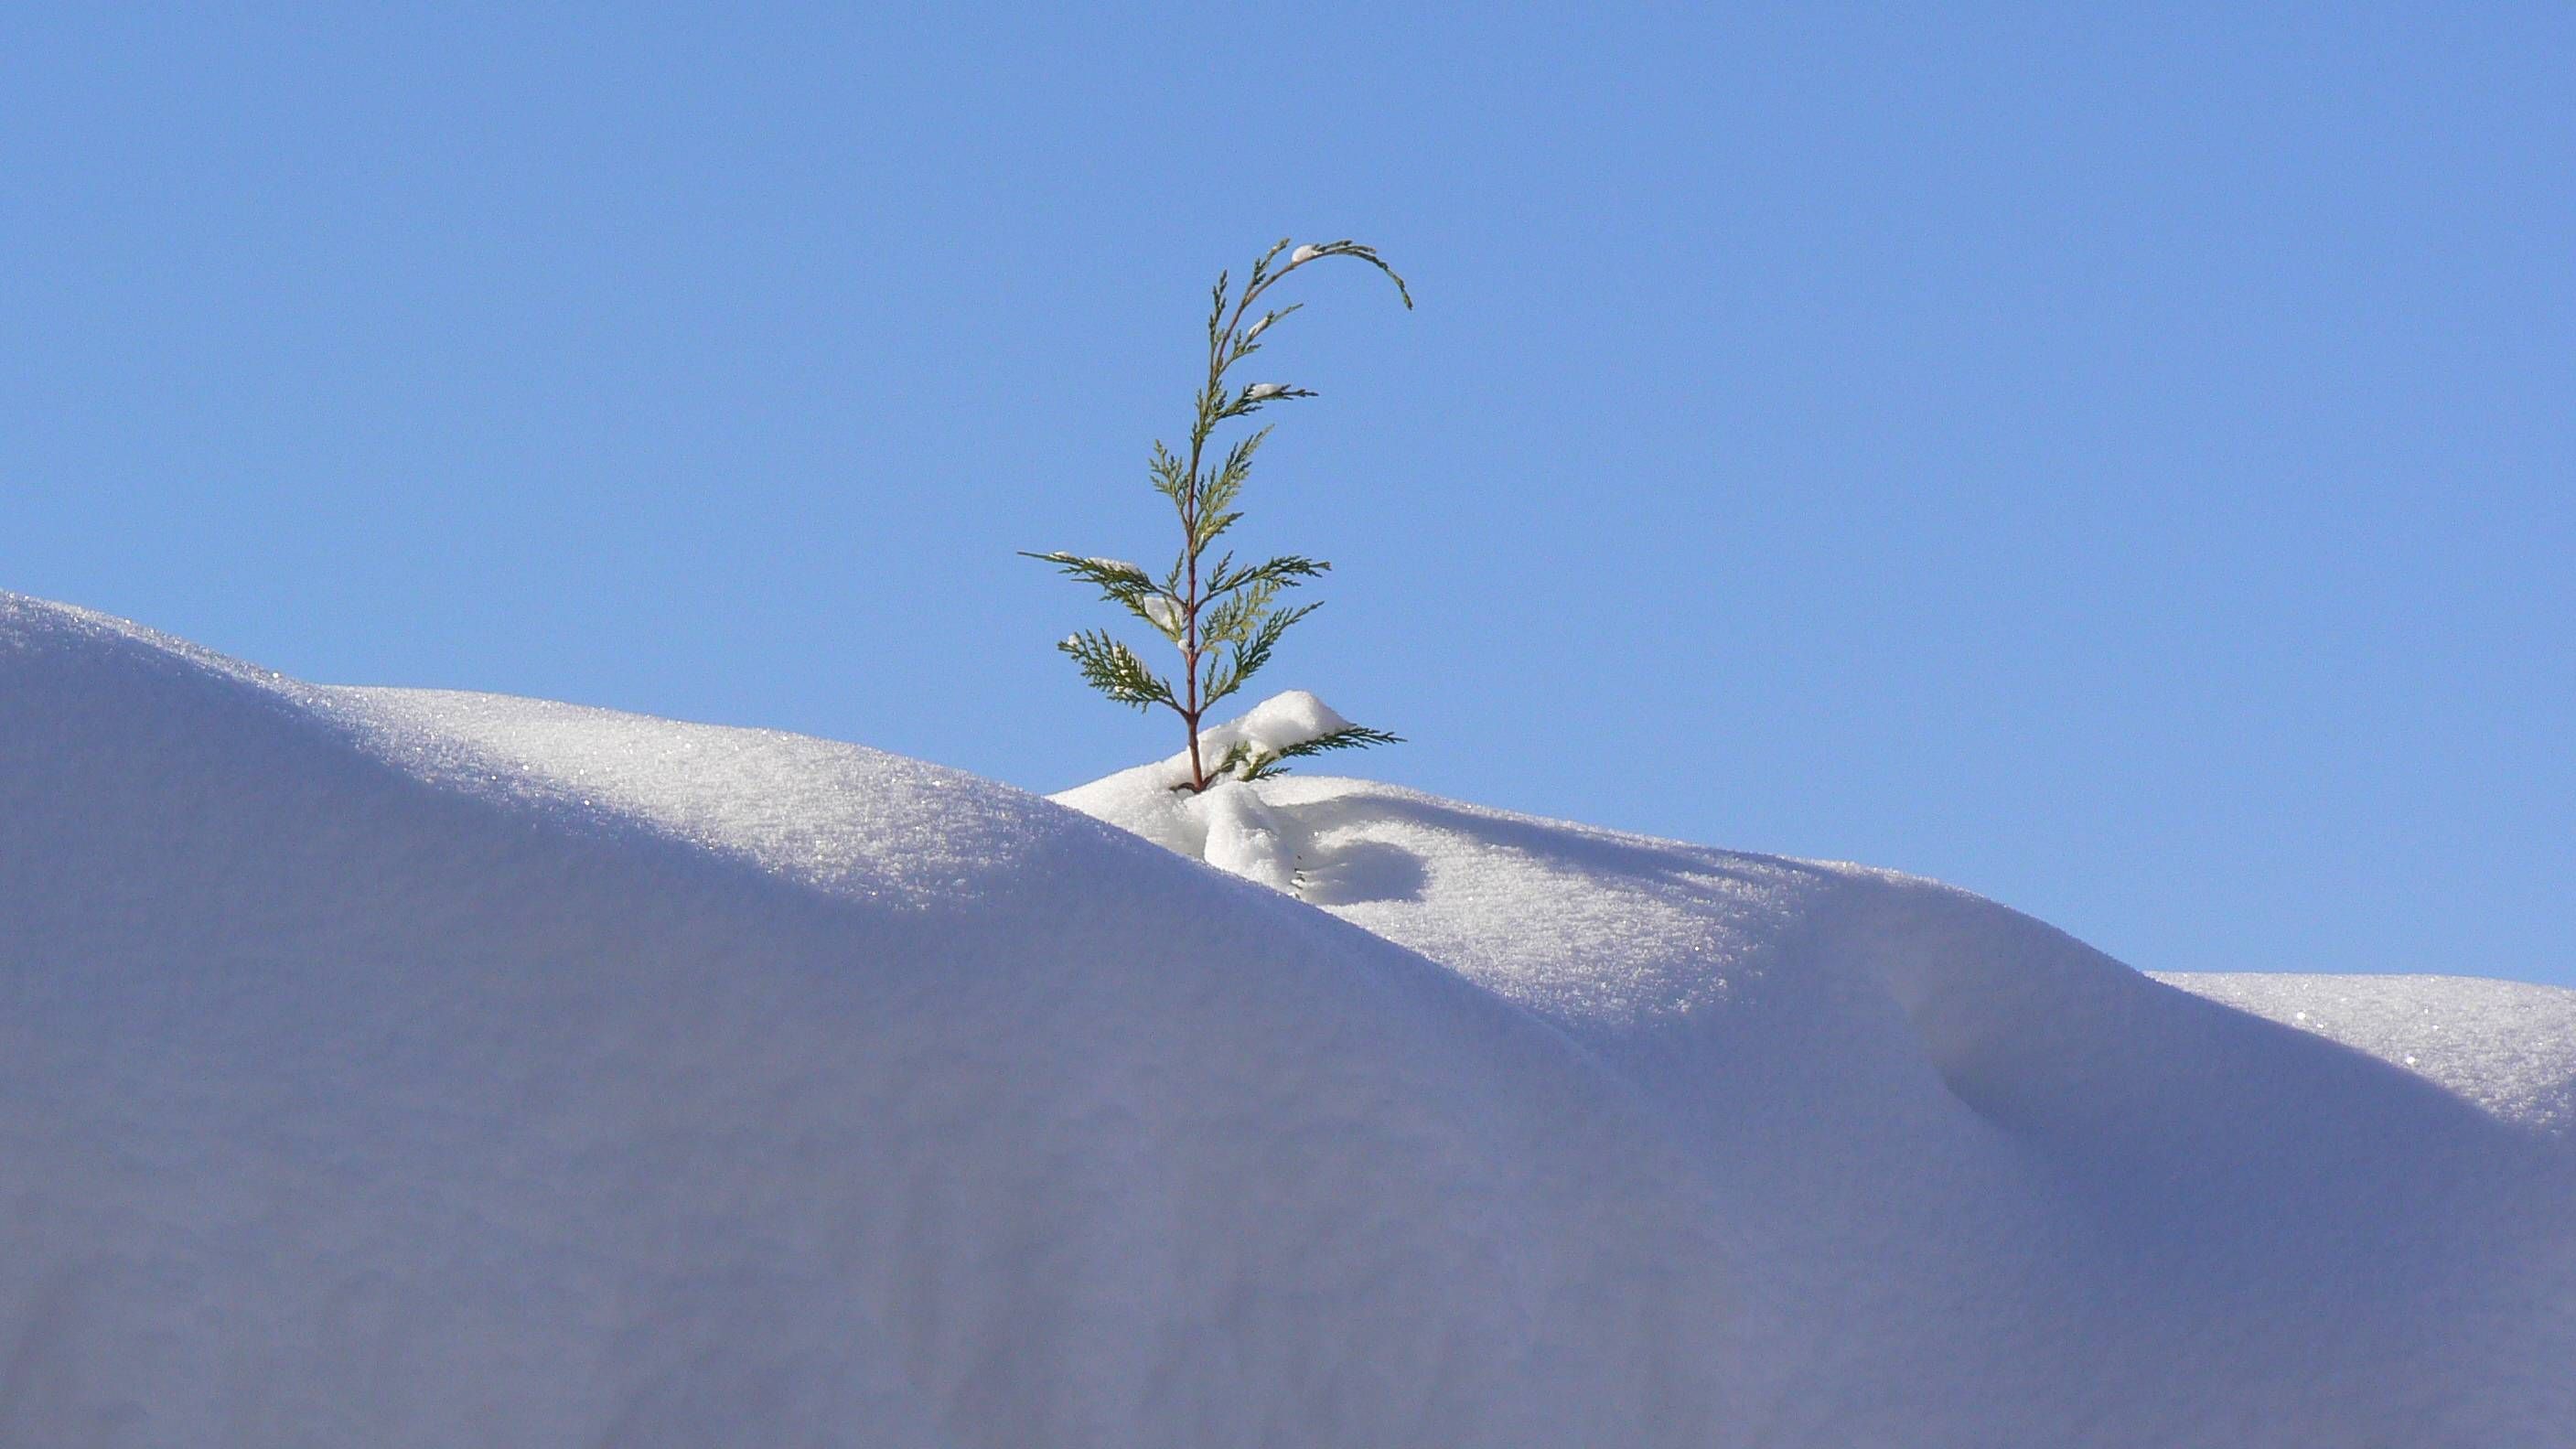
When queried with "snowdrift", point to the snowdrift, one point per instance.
{"points": [[404, 1068]]}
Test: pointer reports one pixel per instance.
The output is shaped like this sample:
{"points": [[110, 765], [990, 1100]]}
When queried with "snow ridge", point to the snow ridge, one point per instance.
{"points": [[401, 1067]]}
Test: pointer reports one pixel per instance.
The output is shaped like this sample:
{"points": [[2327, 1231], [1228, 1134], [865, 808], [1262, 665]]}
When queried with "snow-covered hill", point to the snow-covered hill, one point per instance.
{"points": [[390, 1067]]}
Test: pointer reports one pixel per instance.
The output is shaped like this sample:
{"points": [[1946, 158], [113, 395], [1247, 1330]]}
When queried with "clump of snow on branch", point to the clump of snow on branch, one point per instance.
{"points": [[1278, 724]]}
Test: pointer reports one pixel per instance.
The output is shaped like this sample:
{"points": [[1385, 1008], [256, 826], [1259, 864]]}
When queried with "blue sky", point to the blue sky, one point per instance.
{"points": [[2121, 464]]}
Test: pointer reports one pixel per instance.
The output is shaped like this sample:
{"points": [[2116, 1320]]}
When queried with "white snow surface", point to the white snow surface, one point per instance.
{"points": [[396, 1068]]}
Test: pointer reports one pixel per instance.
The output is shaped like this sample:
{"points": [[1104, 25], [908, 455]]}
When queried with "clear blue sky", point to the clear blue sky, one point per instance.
{"points": [[2120, 464]]}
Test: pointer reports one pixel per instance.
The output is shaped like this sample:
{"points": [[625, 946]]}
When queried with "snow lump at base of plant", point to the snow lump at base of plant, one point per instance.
{"points": [[1228, 825]]}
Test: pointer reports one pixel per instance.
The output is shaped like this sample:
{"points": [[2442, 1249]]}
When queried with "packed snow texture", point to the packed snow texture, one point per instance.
{"points": [[402, 1068]]}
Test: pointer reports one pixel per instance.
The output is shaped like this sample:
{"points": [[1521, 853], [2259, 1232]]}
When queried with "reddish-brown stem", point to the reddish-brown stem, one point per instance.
{"points": [[1190, 623], [1190, 601]]}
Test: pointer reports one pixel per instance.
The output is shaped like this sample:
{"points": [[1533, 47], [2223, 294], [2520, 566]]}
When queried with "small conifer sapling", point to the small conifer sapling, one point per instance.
{"points": [[1225, 618]]}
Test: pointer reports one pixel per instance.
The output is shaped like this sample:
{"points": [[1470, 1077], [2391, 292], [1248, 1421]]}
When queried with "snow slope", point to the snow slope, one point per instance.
{"points": [[395, 1067]]}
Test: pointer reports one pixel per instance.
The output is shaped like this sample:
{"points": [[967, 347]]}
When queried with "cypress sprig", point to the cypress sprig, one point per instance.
{"points": [[1225, 619]]}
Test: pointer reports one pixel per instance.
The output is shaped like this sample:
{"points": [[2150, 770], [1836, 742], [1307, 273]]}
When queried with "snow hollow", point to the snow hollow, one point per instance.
{"points": [[390, 1067]]}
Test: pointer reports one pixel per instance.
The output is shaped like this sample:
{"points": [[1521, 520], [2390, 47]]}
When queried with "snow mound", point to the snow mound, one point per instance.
{"points": [[409, 1068]]}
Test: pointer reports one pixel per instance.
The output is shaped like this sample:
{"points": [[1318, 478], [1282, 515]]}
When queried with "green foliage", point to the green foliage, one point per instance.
{"points": [[1262, 764], [1225, 619], [1114, 670]]}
